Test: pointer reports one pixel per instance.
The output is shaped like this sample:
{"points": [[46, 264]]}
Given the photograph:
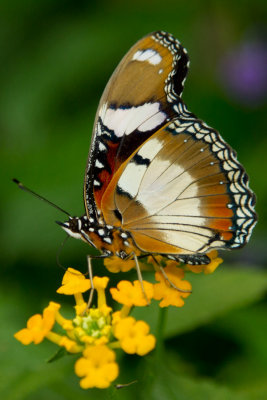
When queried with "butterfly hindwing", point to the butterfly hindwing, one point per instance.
{"points": [[138, 100], [182, 192]]}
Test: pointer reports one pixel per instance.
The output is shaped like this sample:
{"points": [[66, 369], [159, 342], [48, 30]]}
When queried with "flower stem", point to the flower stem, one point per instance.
{"points": [[160, 331], [112, 393]]}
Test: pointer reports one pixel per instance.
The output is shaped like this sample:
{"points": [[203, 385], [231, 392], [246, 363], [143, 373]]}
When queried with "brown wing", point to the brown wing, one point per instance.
{"points": [[182, 192], [139, 99]]}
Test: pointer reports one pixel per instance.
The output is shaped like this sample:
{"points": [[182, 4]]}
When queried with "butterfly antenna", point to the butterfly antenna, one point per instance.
{"points": [[21, 186], [59, 253]]}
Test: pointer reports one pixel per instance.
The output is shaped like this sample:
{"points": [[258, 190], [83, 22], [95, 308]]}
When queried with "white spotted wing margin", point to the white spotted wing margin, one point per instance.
{"points": [[184, 192]]}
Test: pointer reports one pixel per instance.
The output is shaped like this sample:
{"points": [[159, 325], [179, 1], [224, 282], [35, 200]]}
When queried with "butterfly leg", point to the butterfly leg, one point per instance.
{"points": [[168, 280], [140, 278], [90, 273], [171, 283]]}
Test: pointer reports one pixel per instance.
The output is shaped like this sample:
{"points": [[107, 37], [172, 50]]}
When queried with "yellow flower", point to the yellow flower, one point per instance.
{"points": [[70, 345], [155, 260], [115, 264], [131, 294], [100, 285], [134, 336], [95, 324], [38, 326], [208, 268], [163, 291], [94, 332], [80, 308], [74, 282], [97, 366], [116, 317]]}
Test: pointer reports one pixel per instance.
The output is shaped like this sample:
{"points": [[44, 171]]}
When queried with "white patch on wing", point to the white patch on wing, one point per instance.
{"points": [[130, 180], [189, 241], [124, 121], [150, 148], [153, 196], [150, 55], [160, 220], [98, 164], [152, 122]]}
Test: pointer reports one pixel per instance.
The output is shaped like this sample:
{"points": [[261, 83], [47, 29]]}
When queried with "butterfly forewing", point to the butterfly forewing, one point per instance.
{"points": [[137, 101]]}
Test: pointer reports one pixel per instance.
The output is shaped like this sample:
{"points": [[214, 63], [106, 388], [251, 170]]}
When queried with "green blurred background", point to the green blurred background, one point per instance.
{"points": [[56, 57]]}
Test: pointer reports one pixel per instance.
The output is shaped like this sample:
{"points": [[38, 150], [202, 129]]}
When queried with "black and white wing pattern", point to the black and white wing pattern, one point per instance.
{"points": [[155, 169], [137, 101], [183, 192]]}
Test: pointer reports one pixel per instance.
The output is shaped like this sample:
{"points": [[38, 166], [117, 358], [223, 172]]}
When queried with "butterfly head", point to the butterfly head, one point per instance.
{"points": [[80, 228], [72, 227]]}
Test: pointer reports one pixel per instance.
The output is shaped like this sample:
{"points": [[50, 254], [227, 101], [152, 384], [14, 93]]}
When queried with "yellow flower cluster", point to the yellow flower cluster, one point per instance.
{"points": [[131, 294], [171, 288], [94, 332]]}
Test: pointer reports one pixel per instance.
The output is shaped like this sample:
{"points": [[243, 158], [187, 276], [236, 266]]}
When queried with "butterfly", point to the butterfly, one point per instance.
{"points": [[158, 179]]}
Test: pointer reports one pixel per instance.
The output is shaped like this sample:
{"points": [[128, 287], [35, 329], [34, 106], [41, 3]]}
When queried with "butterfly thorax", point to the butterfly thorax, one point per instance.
{"points": [[108, 239]]}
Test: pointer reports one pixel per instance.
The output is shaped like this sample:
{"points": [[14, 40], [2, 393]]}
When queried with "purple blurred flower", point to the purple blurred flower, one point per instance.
{"points": [[244, 72]]}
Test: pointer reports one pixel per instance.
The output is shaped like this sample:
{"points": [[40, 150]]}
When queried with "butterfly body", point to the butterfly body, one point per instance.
{"points": [[114, 241], [108, 239], [158, 179]]}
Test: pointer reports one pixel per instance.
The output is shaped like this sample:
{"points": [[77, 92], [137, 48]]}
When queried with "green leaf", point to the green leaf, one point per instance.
{"points": [[171, 386], [61, 352], [247, 368], [213, 295]]}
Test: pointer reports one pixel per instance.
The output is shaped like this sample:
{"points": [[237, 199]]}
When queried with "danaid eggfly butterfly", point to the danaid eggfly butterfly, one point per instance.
{"points": [[158, 179]]}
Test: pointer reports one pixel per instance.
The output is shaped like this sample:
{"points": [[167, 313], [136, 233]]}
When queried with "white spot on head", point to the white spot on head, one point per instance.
{"points": [[75, 235], [150, 55]]}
